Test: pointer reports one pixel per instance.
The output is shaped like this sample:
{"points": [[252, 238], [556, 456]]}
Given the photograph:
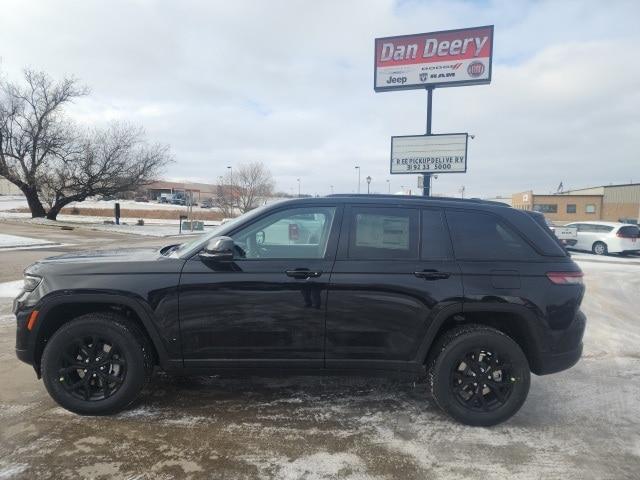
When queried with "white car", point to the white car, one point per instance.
{"points": [[606, 237]]}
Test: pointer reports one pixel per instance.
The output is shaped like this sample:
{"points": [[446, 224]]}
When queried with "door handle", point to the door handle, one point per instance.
{"points": [[301, 273], [432, 275]]}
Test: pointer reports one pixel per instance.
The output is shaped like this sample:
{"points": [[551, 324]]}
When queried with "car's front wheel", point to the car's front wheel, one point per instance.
{"points": [[96, 364], [478, 375]]}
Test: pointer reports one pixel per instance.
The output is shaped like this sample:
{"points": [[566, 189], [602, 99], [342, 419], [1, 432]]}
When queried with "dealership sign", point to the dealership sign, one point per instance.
{"points": [[446, 153], [440, 59]]}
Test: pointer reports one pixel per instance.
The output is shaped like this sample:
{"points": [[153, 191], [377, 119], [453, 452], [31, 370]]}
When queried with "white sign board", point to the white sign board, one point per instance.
{"points": [[443, 153], [566, 233]]}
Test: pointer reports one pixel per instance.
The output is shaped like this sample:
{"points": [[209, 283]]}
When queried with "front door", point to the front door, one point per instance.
{"points": [[267, 307], [388, 285]]}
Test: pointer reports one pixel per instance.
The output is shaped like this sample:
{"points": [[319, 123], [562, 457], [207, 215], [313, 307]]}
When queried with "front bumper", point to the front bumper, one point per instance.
{"points": [[565, 348]]}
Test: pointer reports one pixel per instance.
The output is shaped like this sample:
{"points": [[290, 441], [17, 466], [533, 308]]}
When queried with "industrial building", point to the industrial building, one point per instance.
{"points": [[611, 203]]}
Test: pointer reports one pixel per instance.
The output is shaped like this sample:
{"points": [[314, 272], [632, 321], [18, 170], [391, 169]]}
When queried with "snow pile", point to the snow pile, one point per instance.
{"points": [[11, 241], [11, 289]]}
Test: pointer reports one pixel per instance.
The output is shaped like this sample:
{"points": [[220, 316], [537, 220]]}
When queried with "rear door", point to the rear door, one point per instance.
{"points": [[386, 286]]}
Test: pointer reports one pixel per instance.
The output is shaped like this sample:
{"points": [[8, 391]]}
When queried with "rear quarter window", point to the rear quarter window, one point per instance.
{"points": [[483, 236]]}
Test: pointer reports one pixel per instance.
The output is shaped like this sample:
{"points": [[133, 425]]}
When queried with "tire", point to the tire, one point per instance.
{"points": [[600, 248], [123, 367], [486, 351]]}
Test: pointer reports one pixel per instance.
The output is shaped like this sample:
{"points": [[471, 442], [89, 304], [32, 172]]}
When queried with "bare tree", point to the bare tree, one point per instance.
{"points": [[52, 161], [244, 188], [106, 162], [33, 130]]}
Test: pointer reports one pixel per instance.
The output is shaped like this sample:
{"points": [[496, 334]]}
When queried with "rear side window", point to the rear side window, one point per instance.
{"points": [[383, 233], [481, 236], [436, 244], [629, 232]]}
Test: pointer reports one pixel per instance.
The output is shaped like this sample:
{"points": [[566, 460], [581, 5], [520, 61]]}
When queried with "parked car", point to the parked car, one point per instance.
{"points": [[141, 199], [207, 203], [602, 238], [474, 294], [567, 236]]}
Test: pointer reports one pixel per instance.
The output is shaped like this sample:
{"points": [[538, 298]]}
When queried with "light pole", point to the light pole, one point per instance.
{"points": [[388, 186], [368, 183], [358, 168], [231, 192], [298, 187]]}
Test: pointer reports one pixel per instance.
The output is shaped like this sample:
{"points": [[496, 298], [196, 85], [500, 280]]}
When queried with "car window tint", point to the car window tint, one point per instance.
{"points": [[435, 236], [483, 236], [383, 233], [292, 233], [630, 231]]}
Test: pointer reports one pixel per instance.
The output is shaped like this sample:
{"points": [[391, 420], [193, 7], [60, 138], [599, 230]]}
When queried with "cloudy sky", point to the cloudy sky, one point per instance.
{"points": [[290, 83]]}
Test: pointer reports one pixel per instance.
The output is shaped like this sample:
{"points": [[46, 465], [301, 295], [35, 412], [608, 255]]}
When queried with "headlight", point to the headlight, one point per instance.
{"points": [[31, 282]]}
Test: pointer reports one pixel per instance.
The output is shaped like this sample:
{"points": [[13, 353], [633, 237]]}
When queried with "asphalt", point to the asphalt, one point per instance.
{"points": [[578, 424]]}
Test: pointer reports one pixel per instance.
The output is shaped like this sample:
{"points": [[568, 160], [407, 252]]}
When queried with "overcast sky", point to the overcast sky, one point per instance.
{"points": [[290, 83]]}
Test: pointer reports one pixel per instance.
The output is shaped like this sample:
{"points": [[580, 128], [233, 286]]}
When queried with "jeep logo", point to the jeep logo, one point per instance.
{"points": [[400, 80]]}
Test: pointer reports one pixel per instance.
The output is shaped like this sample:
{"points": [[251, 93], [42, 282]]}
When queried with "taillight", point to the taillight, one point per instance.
{"points": [[565, 278]]}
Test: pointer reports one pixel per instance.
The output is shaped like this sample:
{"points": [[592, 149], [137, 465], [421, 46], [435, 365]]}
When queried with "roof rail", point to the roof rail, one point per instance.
{"points": [[415, 197]]}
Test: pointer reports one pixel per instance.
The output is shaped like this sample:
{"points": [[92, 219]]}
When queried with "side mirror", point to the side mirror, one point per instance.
{"points": [[218, 249]]}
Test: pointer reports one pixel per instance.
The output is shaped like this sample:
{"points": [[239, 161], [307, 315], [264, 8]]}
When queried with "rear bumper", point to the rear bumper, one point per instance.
{"points": [[556, 362], [564, 350]]}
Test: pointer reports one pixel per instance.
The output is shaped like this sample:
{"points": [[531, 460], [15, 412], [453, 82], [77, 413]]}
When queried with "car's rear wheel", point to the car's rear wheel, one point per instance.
{"points": [[479, 375], [600, 248], [96, 364]]}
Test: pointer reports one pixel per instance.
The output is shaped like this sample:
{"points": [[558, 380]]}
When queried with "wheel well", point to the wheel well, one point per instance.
{"points": [[512, 324], [61, 314]]}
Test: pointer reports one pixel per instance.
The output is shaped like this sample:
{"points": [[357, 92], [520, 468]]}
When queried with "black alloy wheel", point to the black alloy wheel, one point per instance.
{"points": [[481, 380], [97, 363], [92, 368], [478, 375]]}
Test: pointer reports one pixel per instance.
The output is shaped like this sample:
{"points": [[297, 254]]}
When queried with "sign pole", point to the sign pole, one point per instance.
{"points": [[426, 177]]}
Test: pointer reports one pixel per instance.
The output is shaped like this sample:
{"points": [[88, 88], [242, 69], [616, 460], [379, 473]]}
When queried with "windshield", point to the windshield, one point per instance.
{"points": [[198, 241]]}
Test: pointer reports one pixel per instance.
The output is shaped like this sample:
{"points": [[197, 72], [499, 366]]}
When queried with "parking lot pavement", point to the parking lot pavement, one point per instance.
{"points": [[579, 424]]}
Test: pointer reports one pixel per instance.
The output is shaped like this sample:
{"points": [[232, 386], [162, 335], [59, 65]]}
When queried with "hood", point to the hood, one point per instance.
{"points": [[112, 256]]}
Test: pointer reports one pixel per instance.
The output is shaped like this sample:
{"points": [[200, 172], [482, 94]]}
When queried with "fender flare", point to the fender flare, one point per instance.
{"points": [[530, 323], [142, 310]]}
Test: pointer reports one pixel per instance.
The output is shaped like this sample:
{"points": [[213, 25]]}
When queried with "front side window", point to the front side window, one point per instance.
{"points": [[383, 233], [292, 233], [481, 236]]}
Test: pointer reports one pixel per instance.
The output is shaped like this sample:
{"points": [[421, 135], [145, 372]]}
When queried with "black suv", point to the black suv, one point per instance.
{"points": [[474, 294]]}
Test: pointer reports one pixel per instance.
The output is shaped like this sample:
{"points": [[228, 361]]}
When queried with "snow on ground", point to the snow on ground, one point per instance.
{"points": [[12, 241], [15, 201], [151, 227], [10, 289], [590, 257]]}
